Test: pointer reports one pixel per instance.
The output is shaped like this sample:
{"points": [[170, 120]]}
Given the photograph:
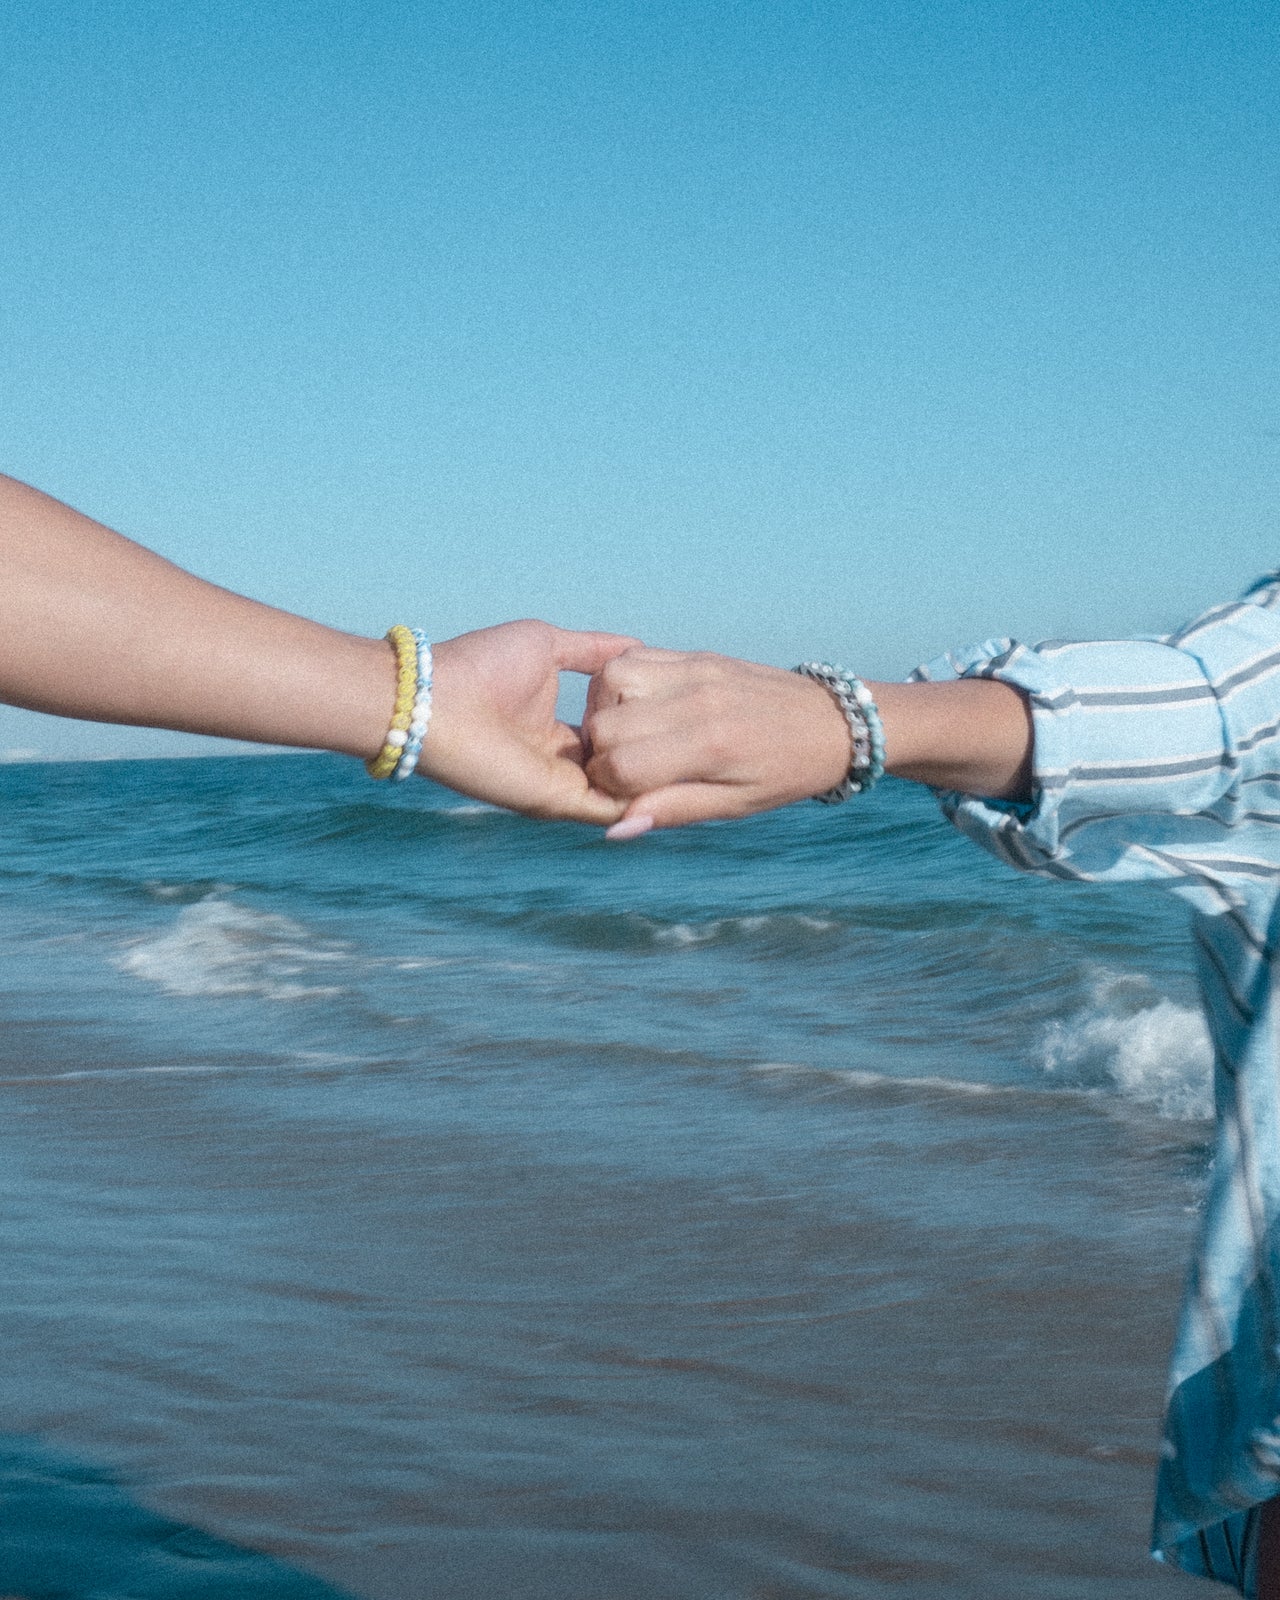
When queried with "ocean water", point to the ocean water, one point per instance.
{"points": [[402, 1199]]}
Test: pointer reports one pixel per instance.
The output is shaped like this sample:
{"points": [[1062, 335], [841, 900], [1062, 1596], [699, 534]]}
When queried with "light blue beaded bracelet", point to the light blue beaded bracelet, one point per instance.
{"points": [[421, 714], [865, 729]]}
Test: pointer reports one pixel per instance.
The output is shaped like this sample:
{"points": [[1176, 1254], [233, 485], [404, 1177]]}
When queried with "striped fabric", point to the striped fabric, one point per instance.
{"points": [[1159, 760]]}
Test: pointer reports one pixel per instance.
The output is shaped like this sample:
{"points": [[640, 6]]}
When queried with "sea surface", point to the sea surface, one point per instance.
{"points": [[403, 1199]]}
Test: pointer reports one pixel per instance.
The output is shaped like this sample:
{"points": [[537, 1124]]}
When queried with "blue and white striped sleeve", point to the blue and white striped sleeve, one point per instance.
{"points": [[1152, 756]]}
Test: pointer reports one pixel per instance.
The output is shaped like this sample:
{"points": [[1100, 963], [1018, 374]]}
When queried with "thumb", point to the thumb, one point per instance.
{"points": [[588, 652], [676, 806]]}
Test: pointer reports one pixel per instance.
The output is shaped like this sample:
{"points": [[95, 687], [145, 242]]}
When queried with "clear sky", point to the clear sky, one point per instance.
{"points": [[821, 327]]}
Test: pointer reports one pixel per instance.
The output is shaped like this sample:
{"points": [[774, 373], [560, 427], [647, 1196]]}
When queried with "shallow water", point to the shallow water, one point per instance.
{"points": [[443, 1204]]}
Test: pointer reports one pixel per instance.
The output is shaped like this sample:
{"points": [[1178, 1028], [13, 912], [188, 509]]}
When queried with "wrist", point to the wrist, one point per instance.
{"points": [[361, 696], [825, 739], [862, 724], [975, 735]]}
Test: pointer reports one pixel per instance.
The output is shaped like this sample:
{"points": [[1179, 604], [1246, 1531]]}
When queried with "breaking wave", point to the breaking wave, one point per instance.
{"points": [[1130, 1039], [217, 947]]}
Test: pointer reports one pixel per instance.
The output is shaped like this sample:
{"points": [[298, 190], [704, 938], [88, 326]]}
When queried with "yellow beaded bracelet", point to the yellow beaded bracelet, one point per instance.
{"points": [[406, 649]]}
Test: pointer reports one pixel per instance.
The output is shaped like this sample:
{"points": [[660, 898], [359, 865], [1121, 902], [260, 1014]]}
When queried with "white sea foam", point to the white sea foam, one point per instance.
{"points": [[1139, 1044], [856, 1078], [686, 933], [157, 889], [74, 1076], [216, 947]]}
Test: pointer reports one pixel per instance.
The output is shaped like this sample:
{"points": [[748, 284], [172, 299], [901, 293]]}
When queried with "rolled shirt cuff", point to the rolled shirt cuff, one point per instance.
{"points": [[1123, 730]]}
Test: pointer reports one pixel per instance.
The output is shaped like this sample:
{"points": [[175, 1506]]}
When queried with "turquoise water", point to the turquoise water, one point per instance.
{"points": [[410, 1199]]}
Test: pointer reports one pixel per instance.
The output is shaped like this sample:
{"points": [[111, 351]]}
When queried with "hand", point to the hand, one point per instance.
{"points": [[685, 738], [494, 733]]}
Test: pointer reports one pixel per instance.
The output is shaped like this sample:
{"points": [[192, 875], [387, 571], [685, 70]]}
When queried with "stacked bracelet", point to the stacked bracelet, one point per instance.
{"points": [[403, 744], [865, 730]]}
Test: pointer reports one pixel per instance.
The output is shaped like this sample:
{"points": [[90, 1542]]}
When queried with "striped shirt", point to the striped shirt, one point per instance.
{"points": [[1158, 759]]}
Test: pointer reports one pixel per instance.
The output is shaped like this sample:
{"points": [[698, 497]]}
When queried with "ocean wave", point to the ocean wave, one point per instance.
{"points": [[217, 947], [732, 930], [384, 821], [893, 1085], [1133, 1041], [1127, 1044], [187, 893], [775, 933]]}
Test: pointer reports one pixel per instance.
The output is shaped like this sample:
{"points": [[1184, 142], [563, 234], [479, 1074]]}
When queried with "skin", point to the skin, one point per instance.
{"points": [[96, 626], [687, 737]]}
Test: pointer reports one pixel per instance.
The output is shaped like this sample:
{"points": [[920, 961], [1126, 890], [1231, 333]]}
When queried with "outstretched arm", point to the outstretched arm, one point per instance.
{"points": [[95, 626], [1148, 758], [692, 736]]}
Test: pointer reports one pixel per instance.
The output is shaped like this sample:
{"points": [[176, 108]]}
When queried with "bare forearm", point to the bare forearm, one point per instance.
{"points": [[974, 735], [95, 626]]}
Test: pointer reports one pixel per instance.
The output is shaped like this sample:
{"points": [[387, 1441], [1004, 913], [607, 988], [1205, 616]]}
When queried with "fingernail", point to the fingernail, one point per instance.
{"points": [[629, 828]]}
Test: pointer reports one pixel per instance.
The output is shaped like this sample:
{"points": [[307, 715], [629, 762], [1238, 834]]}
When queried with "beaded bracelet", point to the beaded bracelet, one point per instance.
{"points": [[412, 708], [408, 763], [866, 731]]}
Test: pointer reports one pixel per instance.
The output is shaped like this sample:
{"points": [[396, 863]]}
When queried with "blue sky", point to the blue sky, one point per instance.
{"points": [[814, 328]]}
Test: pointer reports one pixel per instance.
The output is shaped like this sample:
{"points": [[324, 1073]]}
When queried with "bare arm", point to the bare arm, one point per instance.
{"points": [[691, 737], [95, 626], [974, 735]]}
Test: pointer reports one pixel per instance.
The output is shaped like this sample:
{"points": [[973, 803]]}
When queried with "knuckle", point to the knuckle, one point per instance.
{"points": [[533, 629]]}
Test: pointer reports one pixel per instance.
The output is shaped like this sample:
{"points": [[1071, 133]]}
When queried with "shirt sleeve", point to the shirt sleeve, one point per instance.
{"points": [[1155, 758], [1159, 759]]}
